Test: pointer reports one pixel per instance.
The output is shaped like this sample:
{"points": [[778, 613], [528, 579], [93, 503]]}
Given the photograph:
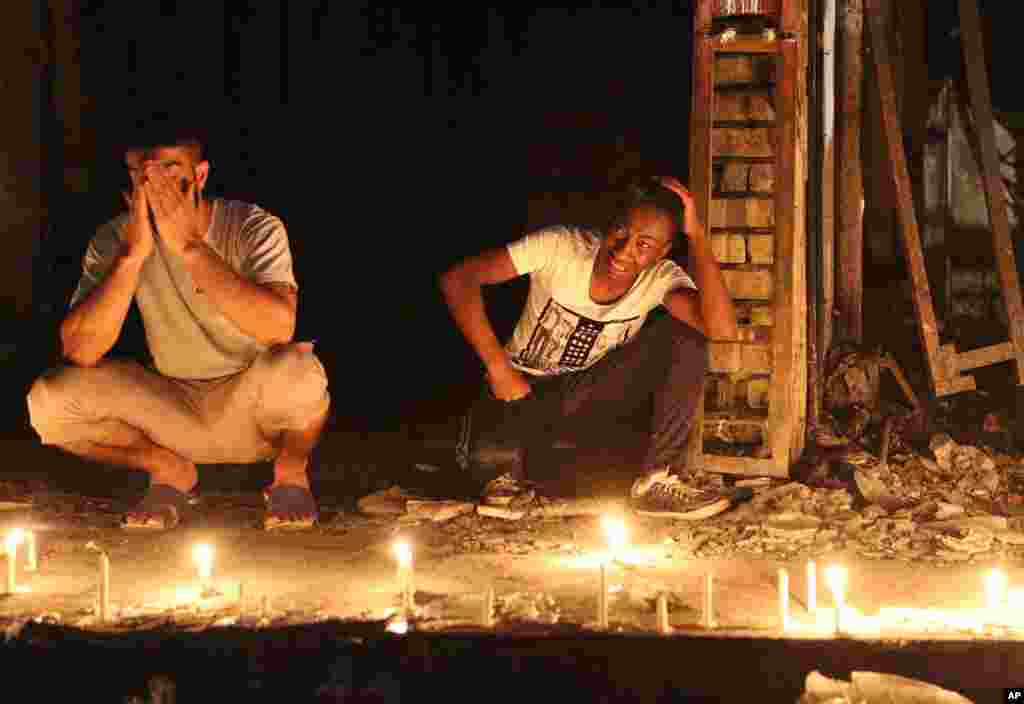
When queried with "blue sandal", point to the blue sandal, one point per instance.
{"points": [[289, 506], [162, 508]]}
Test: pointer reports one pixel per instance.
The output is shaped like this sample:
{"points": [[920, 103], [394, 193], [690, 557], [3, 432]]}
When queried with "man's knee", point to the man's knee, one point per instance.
{"points": [[52, 400], [295, 383]]}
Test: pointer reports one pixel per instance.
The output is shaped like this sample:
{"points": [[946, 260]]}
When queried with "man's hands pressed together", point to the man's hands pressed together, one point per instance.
{"points": [[176, 214], [137, 234]]}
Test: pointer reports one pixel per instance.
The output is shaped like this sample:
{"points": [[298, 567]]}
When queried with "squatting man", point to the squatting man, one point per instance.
{"points": [[213, 282], [581, 347]]}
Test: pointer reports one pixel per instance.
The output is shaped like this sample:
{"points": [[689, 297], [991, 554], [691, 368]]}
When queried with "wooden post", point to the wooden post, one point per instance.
{"points": [[850, 181], [981, 106], [911, 240], [828, 180]]}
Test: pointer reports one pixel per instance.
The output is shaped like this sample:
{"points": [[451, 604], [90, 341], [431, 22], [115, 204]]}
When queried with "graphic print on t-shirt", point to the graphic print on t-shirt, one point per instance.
{"points": [[563, 338]]}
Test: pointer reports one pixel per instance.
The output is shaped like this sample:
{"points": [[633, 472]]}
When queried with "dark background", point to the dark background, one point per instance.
{"points": [[393, 141]]}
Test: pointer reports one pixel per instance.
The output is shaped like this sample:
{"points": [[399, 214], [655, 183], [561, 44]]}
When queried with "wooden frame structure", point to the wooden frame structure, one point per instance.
{"points": [[758, 236], [946, 366]]}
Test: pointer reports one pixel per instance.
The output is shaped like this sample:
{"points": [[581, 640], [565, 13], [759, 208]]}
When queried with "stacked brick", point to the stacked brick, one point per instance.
{"points": [[741, 218]]}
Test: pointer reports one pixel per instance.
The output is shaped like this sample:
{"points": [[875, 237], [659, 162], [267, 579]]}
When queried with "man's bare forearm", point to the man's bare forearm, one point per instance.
{"points": [[716, 305], [255, 310], [465, 302], [92, 327]]}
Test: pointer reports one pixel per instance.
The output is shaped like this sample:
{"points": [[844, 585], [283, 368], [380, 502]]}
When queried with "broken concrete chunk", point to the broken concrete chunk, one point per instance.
{"points": [[500, 512], [388, 502], [438, 511], [942, 446]]}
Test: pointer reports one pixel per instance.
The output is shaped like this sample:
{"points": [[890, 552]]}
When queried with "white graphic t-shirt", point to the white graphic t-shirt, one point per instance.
{"points": [[561, 329], [187, 335]]}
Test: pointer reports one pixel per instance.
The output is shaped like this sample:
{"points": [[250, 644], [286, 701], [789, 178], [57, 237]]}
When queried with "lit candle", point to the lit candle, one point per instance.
{"points": [[663, 626], [995, 589], [104, 587], [784, 599], [602, 599], [403, 553], [812, 587], [32, 561], [836, 577], [203, 556], [709, 601], [615, 534], [14, 538], [488, 609]]}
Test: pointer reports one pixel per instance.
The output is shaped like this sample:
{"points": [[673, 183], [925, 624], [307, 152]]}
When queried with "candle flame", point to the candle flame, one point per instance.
{"points": [[836, 578], [398, 627], [14, 539], [615, 533], [203, 556], [995, 588], [403, 553]]}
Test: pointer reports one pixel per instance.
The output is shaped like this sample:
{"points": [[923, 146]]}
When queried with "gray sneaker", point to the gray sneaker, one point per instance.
{"points": [[662, 495]]}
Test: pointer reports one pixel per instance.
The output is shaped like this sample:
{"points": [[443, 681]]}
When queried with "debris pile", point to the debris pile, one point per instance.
{"points": [[954, 508]]}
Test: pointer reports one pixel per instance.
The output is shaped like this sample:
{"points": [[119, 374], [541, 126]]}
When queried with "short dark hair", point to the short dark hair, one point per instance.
{"points": [[649, 192], [164, 130]]}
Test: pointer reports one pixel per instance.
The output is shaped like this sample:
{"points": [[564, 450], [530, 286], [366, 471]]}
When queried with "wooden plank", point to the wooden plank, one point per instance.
{"points": [[849, 212], [743, 465], [985, 356], [747, 45], [731, 8], [927, 326], [700, 174], [790, 20], [828, 182], [981, 107], [787, 393], [703, 16]]}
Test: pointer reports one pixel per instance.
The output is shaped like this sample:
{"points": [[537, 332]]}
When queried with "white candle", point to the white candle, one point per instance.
{"points": [[784, 599], [663, 626], [836, 577], [812, 587], [995, 589], [488, 609], [403, 553], [615, 534], [602, 599], [32, 561], [709, 601], [14, 538], [104, 588], [203, 556]]}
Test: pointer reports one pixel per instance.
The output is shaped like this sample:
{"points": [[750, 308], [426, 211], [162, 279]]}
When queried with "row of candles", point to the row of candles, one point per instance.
{"points": [[202, 554], [617, 540]]}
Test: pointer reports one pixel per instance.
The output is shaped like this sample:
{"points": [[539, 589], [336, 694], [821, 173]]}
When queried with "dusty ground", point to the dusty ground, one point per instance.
{"points": [[543, 570]]}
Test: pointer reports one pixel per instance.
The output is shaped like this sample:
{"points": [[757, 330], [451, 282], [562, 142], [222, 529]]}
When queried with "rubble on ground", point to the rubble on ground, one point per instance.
{"points": [[913, 508]]}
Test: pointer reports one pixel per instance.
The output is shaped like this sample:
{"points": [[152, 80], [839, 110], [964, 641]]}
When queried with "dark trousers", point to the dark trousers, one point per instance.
{"points": [[662, 367]]}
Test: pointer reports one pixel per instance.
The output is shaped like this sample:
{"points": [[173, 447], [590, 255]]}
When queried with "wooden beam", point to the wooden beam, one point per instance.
{"points": [[789, 380], [927, 326], [850, 178], [748, 45], [702, 114], [827, 285], [703, 17], [981, 107], [985, 356]]}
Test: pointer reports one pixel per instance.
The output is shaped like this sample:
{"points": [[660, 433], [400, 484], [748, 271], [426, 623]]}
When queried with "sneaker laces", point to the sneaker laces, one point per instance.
{"points": [[670, 491], [506, 483]]}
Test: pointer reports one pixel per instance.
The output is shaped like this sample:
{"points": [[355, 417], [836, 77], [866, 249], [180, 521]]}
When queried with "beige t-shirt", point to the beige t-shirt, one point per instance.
{"points": [[562, 329], [186, 334]]}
